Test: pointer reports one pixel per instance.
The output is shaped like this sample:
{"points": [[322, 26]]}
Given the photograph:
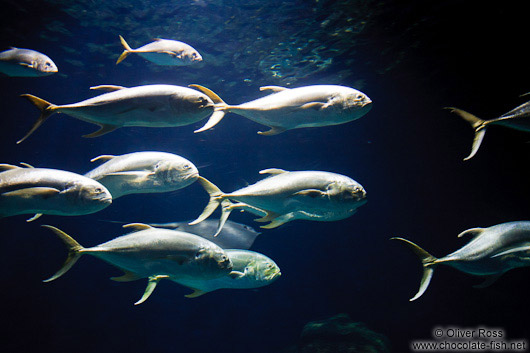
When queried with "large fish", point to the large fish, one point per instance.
{"points": [[49, 191], [286, 196], [163, 52], [517, 118], [491, 252], [293, 108], [153, 253], [149, 105], [232, 236], [250, 270], [143, 172], [17, 62]]}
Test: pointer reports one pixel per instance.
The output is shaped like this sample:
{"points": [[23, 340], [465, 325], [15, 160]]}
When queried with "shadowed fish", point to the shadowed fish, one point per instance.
{"points": [[517, 119], [163, 52], [232, 236], [293, 108], [143, 172], [250, 270], [49, 191], [149, 106], [154, 254], [286, 196], [491, 252], [17, 62]]}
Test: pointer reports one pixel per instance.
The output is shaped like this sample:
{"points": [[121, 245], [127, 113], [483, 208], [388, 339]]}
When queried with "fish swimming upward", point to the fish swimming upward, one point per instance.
{"points": [[49, 191], [143, 172], [293, 108], [517, 119], [154, 254], [491, 252], [285, 196], [17, 62], [163, 52], [149, 106]]}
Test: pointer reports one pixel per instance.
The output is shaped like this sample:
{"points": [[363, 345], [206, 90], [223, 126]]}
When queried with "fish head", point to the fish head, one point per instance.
{"points": [[175, 172], [45, 65], [91, 194], [353, 101], [347, 191], [190, 56], [266, 270], [213, 259]]}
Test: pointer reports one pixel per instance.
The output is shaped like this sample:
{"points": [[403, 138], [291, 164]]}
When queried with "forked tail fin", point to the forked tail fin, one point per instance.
{"points": [[46, 109], [477, 124], [74, 252], [126, 52], [428, 262], [219, 109]]}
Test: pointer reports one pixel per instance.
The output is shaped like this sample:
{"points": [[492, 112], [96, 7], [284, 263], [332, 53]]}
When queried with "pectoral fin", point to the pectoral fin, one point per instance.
{"points": [[151, 285], [43, 192], [275, 130], [313, 105], [131, 176], [128, 276], [104, 129], [314, 193], [522, 249], [236, 274]]}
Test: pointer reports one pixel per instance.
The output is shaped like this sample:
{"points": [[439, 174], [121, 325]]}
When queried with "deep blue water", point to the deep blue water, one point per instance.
{"points": [[411, 58]]}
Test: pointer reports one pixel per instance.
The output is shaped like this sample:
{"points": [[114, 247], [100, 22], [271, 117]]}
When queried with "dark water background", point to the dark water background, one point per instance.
{"points": [[411, 58]]}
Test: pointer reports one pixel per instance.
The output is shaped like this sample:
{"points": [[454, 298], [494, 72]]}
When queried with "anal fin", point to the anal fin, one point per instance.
{"points": [[104, 129], [128, 276], [196, 293], [151, 285], [275, 130]]}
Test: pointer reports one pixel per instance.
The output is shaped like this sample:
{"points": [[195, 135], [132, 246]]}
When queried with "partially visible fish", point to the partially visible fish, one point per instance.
{"points": [[17, 62], [517, 119], [250, 270], [491, 252], [150, 106], [49, 191], [232, 236], [152, 253], [143, 172], [293, 108], [163, 52]]}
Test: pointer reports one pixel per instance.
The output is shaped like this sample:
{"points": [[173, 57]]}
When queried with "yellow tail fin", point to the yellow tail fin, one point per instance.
{"points": [[46, 109]]}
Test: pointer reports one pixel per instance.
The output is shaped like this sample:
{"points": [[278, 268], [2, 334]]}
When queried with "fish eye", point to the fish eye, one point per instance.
{"points": [[98, 190]]}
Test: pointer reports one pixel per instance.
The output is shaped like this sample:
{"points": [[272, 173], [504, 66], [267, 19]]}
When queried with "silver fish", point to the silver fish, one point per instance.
{"points": [[250, 270], [163, 52], [293, 108], [49, 191], [152, 253], [150, 106], [517, 119], [17, 62], [286, 196], [232, 236], [491, 252], [143, 172]]}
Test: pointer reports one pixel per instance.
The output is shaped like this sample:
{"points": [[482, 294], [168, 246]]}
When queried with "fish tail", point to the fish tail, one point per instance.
{"points": [[74, 252], [46, 109], [216, 198], [477, 124], [126, 52], [220, 108], [427, 260]]}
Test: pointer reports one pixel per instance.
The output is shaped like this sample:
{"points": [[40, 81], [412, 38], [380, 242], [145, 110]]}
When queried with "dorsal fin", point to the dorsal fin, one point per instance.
{"points": [[137, 226], [274, 89], [108, 88], [473, 232], [26, 165], [273, 171], [4, 167], [103, 157]]}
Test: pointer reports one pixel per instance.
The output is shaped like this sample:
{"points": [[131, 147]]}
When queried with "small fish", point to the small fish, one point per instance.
{"points": [[286, 196], [143, 172], [17, 62], [49, 191], [250, 270], [293, 108], [163, 52], [149, 106], [491, 252], [232, 236], [517, 119], [154, 254]]}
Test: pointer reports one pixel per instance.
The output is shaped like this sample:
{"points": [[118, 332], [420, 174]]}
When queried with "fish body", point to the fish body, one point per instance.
{"points": [[149, 106], [49, 191], [517, 119], [293, 108], [163, 52], [250, 270], [17, 62], [286, 196], [233, 235], [491, 252], [143, 172]]}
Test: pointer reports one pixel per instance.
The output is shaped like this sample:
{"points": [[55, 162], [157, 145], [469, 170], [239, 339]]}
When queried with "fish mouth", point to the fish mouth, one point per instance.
{"points": [[194, 175]]}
